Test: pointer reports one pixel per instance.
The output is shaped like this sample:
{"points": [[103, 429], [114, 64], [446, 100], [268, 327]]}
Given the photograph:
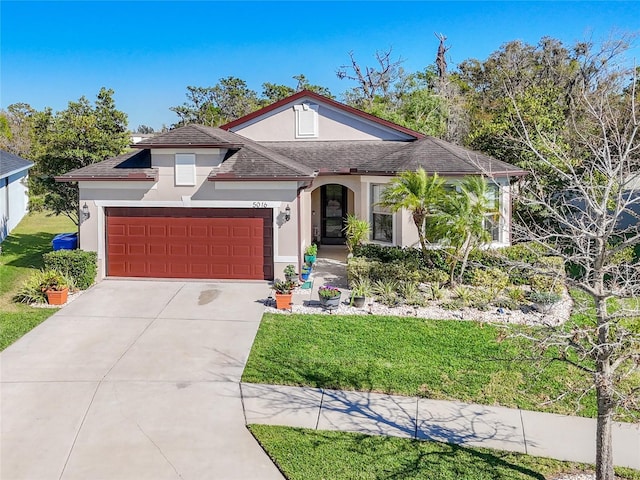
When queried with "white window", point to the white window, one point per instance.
{"points": [[185, 169], [306, 120], [381, 217], [492, 220]]}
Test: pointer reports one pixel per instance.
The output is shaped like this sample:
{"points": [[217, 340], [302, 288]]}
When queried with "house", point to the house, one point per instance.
{"points": [[244, 200], [14, 191]]}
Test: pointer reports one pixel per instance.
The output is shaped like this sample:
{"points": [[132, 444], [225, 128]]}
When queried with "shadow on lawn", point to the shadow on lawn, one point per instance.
{"points": [[27, 249]]}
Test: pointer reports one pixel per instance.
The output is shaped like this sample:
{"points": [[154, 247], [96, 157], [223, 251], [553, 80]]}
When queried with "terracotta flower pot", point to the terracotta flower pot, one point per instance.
{"points": [[283, 301], [57, 297]]}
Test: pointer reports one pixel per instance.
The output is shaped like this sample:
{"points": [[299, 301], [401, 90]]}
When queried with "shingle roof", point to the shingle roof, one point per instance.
{"points": [[334, 156], [134, 165], [254, 160], [10, 164], [444, 158], [389, 157], [193, 135]]}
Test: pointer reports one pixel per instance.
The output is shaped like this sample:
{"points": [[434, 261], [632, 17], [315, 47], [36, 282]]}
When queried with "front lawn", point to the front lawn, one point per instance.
{"points": [[304, 454], [21, 255], [441, 359]]}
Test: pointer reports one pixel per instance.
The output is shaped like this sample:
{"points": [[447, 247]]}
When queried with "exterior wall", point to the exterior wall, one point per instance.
{"points": [[248, 194], [14, 201], [333, 124]]}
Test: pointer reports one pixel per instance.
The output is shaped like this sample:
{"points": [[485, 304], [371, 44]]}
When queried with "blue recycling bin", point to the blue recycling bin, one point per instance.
{"points": [[65, 241]]}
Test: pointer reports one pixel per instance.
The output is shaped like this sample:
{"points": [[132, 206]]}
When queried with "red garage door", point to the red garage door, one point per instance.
{"points": [[190, 243]]}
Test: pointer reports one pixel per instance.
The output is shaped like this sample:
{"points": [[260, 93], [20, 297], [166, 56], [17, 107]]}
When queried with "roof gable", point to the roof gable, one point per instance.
{"points": [[337, 122], [10, 164]]}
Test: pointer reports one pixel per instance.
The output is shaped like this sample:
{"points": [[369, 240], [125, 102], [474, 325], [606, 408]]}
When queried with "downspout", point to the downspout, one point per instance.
{"points": [[300, 258]]}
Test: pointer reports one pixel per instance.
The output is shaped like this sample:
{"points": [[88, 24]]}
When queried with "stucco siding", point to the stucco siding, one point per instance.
{"points": [[277, 196], [279, 126]]}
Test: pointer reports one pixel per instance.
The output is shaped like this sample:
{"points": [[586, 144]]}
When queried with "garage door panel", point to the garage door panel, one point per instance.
{"points": [[136, 231], [157, 230], [178, 250], [198, 231], [157, 249], [190, 243], [199, 250]]}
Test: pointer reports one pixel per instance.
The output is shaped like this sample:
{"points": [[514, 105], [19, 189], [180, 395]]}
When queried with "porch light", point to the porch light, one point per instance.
{"points": [[84, 213], [287, 213]]}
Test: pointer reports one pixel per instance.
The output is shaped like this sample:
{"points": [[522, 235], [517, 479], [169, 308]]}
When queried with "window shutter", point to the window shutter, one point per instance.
{"points": [[185, 169], [306, 120]]}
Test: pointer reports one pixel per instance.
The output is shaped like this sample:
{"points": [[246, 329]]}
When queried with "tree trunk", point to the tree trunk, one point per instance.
{"points": [[605, 399], [466, 248]]}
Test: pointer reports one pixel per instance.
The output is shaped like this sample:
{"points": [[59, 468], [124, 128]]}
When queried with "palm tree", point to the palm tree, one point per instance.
{"points": [[461, 222], [417, 192]]}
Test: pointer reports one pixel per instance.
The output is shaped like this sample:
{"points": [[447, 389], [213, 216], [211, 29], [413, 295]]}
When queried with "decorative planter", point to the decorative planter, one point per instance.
{"points": [[330, 303], [304, 276], [283, 301], [57, 297], [310, 259], [358, 301]]}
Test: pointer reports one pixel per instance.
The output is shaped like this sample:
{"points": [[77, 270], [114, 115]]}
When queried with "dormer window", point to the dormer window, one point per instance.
{"points": [[306, 120], [185, 169]]}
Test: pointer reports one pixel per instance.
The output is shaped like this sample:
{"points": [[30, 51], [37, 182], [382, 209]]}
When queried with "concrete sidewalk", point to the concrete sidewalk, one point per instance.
{"points": [[541, 434]]}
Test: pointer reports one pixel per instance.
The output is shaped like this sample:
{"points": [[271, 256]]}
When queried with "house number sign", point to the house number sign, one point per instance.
{"points": [[259, 204]]}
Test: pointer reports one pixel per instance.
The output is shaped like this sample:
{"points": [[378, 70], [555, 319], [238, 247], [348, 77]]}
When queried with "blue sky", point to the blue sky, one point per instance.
{"points": [[148, 52]]}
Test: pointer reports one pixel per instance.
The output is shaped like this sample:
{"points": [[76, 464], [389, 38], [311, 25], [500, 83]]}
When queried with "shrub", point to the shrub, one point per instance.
{"points": [[412, 257], [434, 276], [463, 294], [515, 294], [80, 266], [527, 252], [552, 264], [544, 298], [493, 278], [31, 291], [34, 289], [356, 231], [385, 292], [507, 303], [359, 268], [545, 283], [396, 271]]}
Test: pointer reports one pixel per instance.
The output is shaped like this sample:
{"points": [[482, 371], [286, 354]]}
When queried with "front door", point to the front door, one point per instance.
{"points": [[334, 211]]}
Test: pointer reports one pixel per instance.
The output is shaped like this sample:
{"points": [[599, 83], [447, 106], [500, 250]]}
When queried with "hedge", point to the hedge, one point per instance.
{"points": [[80, 266]]}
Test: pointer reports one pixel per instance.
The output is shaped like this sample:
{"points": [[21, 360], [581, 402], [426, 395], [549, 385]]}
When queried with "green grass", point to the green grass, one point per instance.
{"points": [[453, 360], [304, 454], [21, 255]]}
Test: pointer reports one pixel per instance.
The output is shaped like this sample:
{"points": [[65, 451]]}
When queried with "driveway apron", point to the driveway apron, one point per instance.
{"points": [[134, 380]]}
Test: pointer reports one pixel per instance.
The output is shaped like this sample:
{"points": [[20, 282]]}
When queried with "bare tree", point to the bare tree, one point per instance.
{"points": [[441, 59], [373, 81], [593, 224]]}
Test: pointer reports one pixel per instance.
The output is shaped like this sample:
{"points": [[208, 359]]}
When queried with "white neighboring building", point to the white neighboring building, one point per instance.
{"points": [[14, 191]]}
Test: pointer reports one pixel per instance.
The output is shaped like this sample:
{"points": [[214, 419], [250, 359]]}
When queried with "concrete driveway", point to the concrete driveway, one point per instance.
{"points": [[134, 380]]}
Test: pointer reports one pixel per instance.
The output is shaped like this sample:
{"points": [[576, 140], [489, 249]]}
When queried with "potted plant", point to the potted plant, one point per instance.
{"points": [[56, 287], [305, 272], [310, 253], [359, 291], [284, 292], [329, 296], [290, 273]]}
